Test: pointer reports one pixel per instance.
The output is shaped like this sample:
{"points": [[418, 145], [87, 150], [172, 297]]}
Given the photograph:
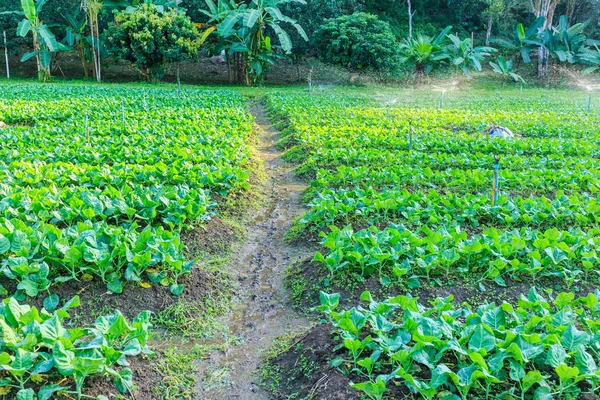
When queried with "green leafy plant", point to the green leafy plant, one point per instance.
{"points": [[44, 41], [151, 40], [360, 41], [424, 53], [504, 68], [246, 31], [539, 349], [38, 348], [464, 56]]}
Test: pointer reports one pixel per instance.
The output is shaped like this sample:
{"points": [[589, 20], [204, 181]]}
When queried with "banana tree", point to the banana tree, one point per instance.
{"points": [[44, 42], [424, 52], [247, 31], [75, 37], [463, 56], [524, 41], [592, 58], [565, 43], [505, 68]]}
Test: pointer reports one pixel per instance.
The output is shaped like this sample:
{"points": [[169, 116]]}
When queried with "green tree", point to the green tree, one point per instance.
{"points": [[464, 56], [524, 41], [505, 69], [246, 32], [360, 41], [44, 41], [425, 54], [151, 40]]}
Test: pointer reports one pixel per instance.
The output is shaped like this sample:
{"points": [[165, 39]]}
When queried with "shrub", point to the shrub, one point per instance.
{"points": [[151, 40], [358, 41]]}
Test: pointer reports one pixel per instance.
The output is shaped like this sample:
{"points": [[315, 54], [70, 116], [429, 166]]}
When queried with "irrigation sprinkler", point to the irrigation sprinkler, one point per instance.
{"points": [[589, 107], [442, 98], [521, 89], [178, 86], [122, 112], [495, 183], [310, 84]]}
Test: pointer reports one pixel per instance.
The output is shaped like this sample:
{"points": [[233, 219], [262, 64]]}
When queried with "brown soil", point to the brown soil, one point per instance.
{"points": [[212, 237], [202, 71], [262, 312], [463, 289], [318, 379]]}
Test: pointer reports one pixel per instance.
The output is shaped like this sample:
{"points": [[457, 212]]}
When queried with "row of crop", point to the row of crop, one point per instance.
{"points": [[356, 157], [37, 256], [395, 251], [527, 124], [353, 206], [536, 100], [23, 104], [173, 206], [438, 140], [219, 177], [144, 142], [545, 348], [531, 181]]}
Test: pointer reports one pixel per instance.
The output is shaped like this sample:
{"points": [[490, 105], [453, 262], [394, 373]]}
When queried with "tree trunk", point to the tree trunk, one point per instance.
{"points": [[544, 8], [410, 19], [83, 59], [488, 34]]}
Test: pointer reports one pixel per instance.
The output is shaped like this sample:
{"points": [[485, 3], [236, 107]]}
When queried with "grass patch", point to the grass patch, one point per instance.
{"points": [[177, 373], [278, 381]]}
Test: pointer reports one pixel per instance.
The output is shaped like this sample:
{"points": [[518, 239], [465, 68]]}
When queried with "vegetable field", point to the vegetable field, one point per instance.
{"points": [[344, 243], [97, 185], [467, 293]]}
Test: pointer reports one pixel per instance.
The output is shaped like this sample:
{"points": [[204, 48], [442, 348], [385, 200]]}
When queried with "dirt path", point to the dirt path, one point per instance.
{"points": [[263, 312]]}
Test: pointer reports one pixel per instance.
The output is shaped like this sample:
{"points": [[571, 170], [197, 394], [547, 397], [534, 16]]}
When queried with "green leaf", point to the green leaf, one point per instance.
{"points": [[49, 40], [115, 286], [29, 287], [572, 338], [51, 302], [51, 329], [4, 244], [46, 392], [29, 10], [86, 366], [124, 380], [23, 360], [177, 289], [531, 379], [585, 362], [26, 394], [566, 373], [494, 318], [482, 339], [63, 359], [556, 355]]}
